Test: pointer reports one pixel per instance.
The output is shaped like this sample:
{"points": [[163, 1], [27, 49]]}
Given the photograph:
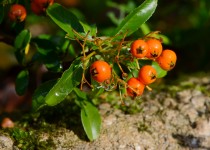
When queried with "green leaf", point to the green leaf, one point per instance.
{"points": [[160, 72], [91, 30], [68, 81], [65, 19], [80, 94], [1, 13], [21, 83], [38, 99], [91, 120], [22, 39], [136, 18]]}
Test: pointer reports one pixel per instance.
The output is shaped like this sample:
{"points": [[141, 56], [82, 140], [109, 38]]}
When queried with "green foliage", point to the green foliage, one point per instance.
{"points": [[21, 83], [27, 140], [22, 39], [40, 94], [70, 79], [64, 19], [91, 120], [21, 44], [90, 116], [160, 72], [136, 18]]}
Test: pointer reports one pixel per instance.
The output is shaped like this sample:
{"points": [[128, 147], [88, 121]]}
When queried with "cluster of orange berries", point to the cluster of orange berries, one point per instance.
{"points": [[18, 12], [150, 49]]}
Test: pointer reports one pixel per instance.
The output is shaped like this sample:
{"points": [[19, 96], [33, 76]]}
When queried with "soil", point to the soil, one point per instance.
{"points": [[172, 117]]}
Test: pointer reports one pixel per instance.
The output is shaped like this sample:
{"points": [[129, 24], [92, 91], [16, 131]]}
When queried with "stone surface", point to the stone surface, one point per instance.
{"points": [[170, 120]]}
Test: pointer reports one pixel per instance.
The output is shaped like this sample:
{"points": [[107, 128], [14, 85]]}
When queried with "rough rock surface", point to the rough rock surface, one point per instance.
{"points": [[172, 119]]}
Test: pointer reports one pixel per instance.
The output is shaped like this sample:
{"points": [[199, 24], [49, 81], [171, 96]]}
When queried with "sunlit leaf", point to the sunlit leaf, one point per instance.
{"points": [[91, 120], [65, 19], [68, 81], [136, 18]]}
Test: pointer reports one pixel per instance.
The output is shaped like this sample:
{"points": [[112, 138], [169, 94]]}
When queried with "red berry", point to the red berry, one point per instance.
{"points": [[7, 123], [100, 71], [167, 60], [154, 48], [139, 48], [17, 13], [39, 6], [135, 87], [147, 74]]}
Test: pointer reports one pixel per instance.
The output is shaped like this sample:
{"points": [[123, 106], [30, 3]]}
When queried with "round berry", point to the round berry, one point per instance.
{"points": [[139, 48], [135, 87], [100, 71], [167, 60], [154, 48], [7, 123], [147, 74], [39, 6], [17, 13]]}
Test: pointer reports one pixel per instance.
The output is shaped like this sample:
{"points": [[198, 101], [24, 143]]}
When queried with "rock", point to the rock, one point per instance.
{"points": [[203, 127], [6, 143]]}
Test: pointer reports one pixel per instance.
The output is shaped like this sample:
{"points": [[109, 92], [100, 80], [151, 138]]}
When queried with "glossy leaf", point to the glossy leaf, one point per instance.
{"points": [[91, 120], [65, 19], [80, 94], [160, 72], [136, 18], [38, 99], [22, 39], [21, 83], [68, 81]]}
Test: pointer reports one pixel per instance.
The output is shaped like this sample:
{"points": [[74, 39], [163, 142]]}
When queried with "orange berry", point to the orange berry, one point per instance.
{"points": [[100, 71], [39, 6], [7, 123], [17, 13], [167, 60], [147, 74], [135, 87], [154, 48], [139, 48]]}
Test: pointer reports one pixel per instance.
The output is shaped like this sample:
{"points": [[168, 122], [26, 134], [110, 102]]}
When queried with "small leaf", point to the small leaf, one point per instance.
{"points": [[38, 99], [68, 81], [80, 94], [65, 19], [160, 72], [92, 30], [22, 39], [21, 83], [91, 120], [136, 18]]}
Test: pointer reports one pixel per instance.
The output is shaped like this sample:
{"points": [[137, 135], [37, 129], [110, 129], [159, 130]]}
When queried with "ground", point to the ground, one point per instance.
{"points": [[172, 117]]}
